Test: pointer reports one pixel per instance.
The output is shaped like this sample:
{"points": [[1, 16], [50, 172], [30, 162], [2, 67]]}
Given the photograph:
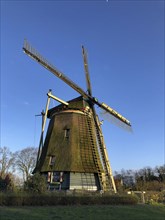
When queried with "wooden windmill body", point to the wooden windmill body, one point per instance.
{"points": [[74, 155]]}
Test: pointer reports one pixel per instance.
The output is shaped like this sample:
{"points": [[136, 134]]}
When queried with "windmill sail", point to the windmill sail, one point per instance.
{"points": [[41, 60], [86, 71], [115, 121]]}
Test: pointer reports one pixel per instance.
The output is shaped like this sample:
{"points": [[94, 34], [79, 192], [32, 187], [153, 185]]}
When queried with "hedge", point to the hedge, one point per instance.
{"points": [[52, 200], [155, 196]]}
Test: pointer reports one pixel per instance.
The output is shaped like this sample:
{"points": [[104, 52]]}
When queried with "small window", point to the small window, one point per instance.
{"points": [[67, 133], [52, 160]]}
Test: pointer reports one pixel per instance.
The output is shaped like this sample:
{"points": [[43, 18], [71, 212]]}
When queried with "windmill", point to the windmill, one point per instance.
{"points": [[74, 154]]}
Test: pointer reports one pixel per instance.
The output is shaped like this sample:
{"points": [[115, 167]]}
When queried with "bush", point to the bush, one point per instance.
{"points": [[6, 183], [154, 196], [36, 184], [50, 199]]}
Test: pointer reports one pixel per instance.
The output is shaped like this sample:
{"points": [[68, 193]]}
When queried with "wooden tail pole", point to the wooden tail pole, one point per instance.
{"points": [[44, 115]]}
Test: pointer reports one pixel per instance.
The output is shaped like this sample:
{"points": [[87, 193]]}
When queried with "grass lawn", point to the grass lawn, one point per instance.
{"points": [[94, 212]]}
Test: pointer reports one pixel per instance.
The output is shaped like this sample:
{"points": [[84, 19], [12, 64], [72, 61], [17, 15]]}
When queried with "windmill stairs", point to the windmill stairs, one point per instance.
{"points": [[86, 129]]}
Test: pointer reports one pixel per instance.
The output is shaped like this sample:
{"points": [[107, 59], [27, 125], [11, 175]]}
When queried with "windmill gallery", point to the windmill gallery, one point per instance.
{"points": [[73, 154]]}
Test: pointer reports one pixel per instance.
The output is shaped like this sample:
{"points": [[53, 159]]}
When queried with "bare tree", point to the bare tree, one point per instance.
{"points": [[25, 161], [160, 171], [6, 161]]}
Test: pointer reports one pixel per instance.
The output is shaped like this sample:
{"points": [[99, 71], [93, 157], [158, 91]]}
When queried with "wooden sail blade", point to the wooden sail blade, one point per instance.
{"points": [[111, 112], [41, 60], [115, 113], [89, 89], [114, 120]]}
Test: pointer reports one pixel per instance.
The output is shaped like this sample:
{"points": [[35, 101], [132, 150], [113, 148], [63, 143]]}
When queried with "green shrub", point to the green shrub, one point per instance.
{"points": [[6, 183], [154, 196], [36, 184], [49, 199]]}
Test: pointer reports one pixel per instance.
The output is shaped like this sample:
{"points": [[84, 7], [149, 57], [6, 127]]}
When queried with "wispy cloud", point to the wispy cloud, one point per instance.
{"points": [[26, 103]]}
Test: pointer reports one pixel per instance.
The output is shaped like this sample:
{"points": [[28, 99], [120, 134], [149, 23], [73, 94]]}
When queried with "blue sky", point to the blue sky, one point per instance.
{"points": [[125, 44]]}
